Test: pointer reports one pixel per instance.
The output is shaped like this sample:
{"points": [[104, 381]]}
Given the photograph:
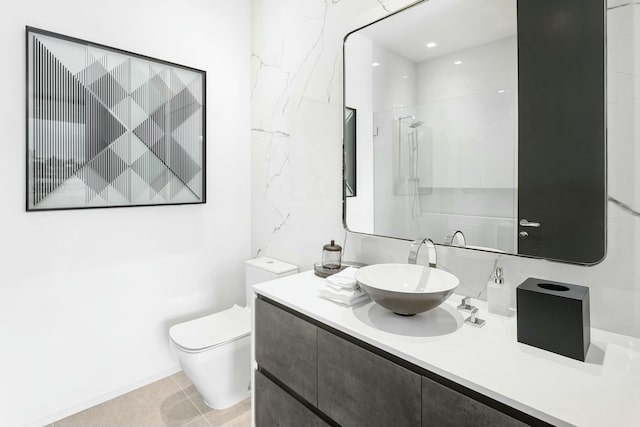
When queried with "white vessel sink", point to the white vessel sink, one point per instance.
{"points": [[406, 289]]}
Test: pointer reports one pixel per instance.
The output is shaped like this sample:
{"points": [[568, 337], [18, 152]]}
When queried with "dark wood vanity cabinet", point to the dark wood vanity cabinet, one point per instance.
{"points": [[286, 347], [361, 389], [444, 407], [276, 408], [311, 375]]}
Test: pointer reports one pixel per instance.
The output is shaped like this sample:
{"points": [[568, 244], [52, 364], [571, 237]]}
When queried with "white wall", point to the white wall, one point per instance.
{"points": [[395, 81], [297, 92], [473, 122], [87, 297]]}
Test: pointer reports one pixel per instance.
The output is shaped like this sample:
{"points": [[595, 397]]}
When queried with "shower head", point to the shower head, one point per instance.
{"points": [[415, 123]]}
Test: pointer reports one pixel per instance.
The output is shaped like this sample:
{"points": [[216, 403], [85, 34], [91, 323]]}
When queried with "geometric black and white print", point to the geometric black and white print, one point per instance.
{"points": [[111, 128]]}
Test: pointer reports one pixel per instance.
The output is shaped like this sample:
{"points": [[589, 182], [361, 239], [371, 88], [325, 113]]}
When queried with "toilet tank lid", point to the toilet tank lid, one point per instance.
{"points": [[272, 265], [212, 330]]}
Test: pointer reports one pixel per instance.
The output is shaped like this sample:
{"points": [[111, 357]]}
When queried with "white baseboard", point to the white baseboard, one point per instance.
{"points": [[98, 400]]}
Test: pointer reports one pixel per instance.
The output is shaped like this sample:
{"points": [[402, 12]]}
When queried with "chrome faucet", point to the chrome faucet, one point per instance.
{"points": [[455, 239], [415, 248]]}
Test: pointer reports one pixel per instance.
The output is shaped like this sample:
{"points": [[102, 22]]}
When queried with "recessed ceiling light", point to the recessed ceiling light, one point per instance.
{"points": [[405, 77], [375, 64], [501, 91], [457, 63], [431, 44]]}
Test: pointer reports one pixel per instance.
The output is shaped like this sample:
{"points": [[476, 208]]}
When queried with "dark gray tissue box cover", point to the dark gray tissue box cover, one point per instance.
{"points": [[553, 319]]}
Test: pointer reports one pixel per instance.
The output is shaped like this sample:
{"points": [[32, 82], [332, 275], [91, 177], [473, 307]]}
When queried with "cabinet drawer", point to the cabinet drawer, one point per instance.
{"points": [[359, 388], [275, 408], [286, 347], [442, 407]]}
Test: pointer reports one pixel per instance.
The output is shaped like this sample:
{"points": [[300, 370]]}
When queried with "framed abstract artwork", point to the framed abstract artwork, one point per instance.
{"points": [[110, 128]]}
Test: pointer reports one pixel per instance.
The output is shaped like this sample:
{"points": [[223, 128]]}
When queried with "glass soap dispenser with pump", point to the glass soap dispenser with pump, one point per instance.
{"points": [[498, 294]]}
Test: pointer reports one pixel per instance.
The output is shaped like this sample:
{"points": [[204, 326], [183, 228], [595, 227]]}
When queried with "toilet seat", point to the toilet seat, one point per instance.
{"points": [[213, 330]]}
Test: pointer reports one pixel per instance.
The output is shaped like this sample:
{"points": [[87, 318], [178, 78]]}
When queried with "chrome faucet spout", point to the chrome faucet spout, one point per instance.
{"points": [[455, 239], [415, 248]]}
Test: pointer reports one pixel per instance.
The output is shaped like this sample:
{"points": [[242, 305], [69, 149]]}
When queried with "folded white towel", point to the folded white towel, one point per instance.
{"points": [[344, 279], [341, 295], [340, 289], [349, 303]]}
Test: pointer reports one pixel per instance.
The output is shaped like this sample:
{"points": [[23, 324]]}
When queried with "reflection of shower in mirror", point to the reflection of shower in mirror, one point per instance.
{"points": [[414, 157]]}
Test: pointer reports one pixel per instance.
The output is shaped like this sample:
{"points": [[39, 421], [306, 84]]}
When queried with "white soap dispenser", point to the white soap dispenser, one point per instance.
{"points": [[498, 294]]}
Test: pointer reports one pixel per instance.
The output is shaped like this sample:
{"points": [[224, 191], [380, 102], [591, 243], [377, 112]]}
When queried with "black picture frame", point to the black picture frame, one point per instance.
{"points": [[120, 129]]}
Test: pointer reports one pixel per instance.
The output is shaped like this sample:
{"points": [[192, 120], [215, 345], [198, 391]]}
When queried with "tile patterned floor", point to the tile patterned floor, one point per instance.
{"points": [[170, 402]]}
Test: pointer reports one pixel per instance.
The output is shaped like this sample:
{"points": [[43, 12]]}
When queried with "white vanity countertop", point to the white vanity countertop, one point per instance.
{"points": [[603, 391]]}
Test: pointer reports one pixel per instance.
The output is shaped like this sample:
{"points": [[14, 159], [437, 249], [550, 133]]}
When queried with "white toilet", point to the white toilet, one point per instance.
{"points": [[215, 350]]}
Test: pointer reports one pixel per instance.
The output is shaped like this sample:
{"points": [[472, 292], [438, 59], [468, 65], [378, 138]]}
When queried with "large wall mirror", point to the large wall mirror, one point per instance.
{"points": [[485, 117]]}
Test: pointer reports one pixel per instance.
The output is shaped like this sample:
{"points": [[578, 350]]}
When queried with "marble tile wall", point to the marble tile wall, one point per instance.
{"points": [[296, 155]]}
